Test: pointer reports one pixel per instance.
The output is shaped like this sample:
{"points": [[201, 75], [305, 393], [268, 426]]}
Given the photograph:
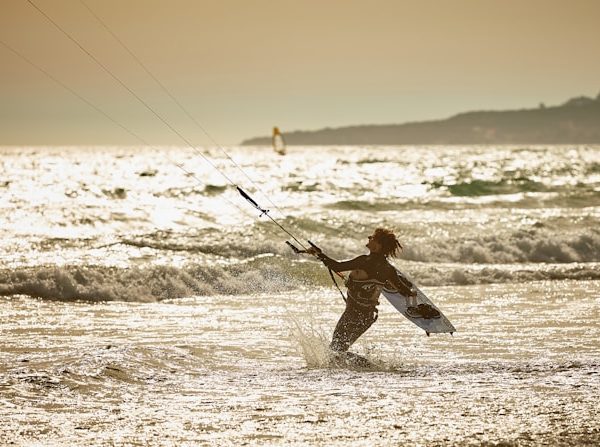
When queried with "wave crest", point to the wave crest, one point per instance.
{"points": [[535, 245], [156, 283], [263, 274]]}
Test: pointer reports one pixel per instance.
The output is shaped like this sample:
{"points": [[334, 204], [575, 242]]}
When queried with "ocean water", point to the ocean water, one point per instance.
{"points": [[144, 302]]}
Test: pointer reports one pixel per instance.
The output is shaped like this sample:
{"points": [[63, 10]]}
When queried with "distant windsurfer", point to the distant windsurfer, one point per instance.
{"points": [[369, 274], [278, 141]]}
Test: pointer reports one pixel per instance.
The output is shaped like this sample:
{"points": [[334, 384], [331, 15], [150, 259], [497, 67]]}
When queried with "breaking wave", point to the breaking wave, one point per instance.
{"points": [[521, 246], [262, 274], [98, 283]]}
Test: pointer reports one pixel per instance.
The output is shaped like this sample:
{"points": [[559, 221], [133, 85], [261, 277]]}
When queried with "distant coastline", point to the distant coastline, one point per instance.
{"points": [[577, 121]]}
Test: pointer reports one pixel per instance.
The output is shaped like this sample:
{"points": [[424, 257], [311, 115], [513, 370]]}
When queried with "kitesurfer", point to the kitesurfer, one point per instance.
{"points": [[369, 274]]}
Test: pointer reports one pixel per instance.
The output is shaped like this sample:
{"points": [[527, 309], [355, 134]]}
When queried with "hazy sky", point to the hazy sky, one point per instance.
{"points": [[243, 66]]}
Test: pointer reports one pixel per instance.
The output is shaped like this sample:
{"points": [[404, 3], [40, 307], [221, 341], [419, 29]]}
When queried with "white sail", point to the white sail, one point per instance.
{"points": [[278, 142]]}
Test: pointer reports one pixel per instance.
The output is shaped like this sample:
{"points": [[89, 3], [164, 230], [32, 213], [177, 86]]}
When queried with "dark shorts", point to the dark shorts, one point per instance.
{"points": [[352, 324]]}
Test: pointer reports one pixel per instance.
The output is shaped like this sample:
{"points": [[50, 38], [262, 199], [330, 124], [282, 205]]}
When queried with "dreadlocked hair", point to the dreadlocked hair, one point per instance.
{"points": [[390, 246]]}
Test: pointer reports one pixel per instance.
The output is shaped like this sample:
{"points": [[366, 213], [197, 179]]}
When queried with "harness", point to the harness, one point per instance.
{"points": [[364, 292]]}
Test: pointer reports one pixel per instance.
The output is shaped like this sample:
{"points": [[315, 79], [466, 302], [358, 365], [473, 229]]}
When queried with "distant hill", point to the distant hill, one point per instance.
{"points": [[577, 121]]}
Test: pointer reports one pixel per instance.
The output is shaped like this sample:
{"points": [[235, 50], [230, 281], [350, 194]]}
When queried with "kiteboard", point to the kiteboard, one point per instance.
{"points": [[432, 320]]}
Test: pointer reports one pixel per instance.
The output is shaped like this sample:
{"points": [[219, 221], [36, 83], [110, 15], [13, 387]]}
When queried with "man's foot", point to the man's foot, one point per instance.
{"points": [[349, 359]]}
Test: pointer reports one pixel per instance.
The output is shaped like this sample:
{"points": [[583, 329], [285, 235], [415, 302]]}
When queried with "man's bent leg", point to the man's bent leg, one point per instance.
{"points": [[350, 327]]}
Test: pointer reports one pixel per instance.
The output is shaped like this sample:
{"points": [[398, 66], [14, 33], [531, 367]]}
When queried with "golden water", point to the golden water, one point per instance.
{"points": [[523, 369]]}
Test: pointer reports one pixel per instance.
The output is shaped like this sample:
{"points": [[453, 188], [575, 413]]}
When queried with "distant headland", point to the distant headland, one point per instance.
{"points": [[577, 121]]}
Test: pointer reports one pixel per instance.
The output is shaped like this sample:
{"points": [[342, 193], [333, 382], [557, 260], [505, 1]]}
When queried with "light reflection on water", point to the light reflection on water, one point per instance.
{"points": [[522, 369], [241, 357]]}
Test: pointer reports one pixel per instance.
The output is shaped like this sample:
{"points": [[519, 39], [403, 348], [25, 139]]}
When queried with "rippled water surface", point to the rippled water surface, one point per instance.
{"points": [[232, 370], [144, 306]]}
